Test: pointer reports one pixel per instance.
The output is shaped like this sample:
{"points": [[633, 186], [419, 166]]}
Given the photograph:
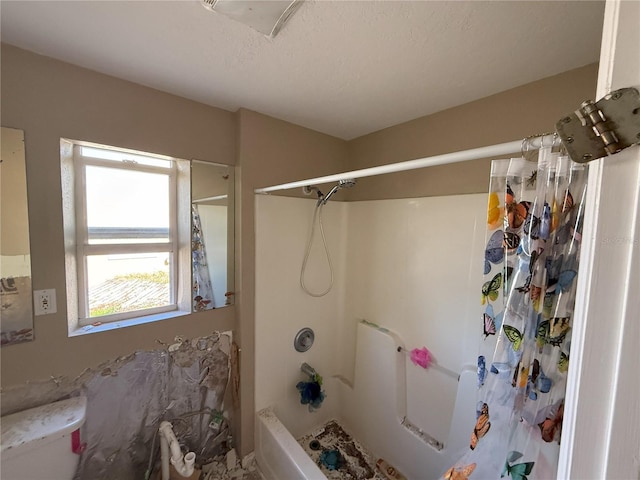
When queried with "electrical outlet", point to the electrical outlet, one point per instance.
{"points": [[44, 301]]}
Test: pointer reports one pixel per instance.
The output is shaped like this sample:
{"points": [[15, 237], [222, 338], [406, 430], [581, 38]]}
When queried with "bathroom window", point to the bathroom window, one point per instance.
{"points": [[123, 235]]}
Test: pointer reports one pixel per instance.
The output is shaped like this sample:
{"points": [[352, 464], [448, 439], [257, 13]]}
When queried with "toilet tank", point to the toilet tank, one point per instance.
{"points": [[40, 443]]}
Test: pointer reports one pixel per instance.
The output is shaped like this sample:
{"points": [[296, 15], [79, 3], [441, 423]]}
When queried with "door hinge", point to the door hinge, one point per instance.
{"points": [[602, 128]]}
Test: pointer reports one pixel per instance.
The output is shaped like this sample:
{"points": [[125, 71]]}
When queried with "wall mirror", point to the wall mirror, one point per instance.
{"points": [[212, 239], [15, 256]]}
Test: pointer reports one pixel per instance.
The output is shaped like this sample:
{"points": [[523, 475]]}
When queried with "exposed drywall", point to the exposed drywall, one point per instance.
{"points": [[517, 113], [49, 99], [127, 398]]}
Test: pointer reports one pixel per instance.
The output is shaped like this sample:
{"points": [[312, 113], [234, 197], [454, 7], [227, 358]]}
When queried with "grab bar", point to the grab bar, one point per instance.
{"points": [[434, 365], [446, 371]]}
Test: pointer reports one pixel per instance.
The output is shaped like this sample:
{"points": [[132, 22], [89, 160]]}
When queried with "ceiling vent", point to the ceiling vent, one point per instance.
{"points": [[267, 17]]}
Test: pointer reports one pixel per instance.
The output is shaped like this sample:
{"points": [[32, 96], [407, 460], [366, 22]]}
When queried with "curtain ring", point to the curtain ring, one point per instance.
{"points": [[527, 146], [542, 138], [557, 141], [523, 148]]}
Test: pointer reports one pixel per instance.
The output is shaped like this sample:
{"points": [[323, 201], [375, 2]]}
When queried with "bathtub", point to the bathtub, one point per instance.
{"points": [[278, 453], [422, 446]]}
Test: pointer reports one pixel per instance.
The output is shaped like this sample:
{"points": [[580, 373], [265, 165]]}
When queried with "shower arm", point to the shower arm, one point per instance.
{"points": [[326, 198]]}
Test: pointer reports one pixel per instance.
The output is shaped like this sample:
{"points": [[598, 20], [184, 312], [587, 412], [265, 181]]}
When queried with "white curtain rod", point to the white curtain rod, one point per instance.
{"points": [[210, 199], [454, 157]]}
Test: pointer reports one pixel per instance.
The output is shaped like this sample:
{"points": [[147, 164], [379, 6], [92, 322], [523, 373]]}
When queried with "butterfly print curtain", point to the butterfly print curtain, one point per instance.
{"points": [[202, 290], [534, 224]]}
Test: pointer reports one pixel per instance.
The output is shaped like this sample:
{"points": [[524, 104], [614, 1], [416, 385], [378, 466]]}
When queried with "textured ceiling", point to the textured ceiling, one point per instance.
{"points": [[340, 67]]}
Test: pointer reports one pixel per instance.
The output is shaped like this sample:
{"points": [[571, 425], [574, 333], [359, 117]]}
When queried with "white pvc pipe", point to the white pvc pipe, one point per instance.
{"points": [[184, 465], [164, 457], [454, 157]]}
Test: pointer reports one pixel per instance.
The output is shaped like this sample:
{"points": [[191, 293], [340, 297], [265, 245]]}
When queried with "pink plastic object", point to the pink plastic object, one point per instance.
{"points": [[421, 357], [76, 446]]}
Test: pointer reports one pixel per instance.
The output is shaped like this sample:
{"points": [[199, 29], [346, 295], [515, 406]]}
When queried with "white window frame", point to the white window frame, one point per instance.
{"points": [[78, 248]]}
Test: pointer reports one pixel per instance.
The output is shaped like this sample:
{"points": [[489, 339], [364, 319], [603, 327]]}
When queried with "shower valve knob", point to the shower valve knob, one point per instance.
{"points": [[304, 340]]}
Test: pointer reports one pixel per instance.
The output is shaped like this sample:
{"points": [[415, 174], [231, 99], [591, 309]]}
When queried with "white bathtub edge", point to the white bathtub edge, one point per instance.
{"points": [[278, 453]]}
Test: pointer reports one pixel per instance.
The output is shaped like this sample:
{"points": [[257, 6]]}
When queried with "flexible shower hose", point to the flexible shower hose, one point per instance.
{"points": [[306, 254]]}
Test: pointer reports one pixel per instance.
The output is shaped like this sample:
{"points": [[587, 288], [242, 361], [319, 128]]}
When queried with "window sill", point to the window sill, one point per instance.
{"points": [[105, 327]]}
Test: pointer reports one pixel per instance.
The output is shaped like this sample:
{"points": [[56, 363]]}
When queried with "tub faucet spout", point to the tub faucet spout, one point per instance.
{"points": [[308, 369]]}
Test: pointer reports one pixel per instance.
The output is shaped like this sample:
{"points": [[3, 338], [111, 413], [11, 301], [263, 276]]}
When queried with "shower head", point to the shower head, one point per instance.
{"points": [[346, 183]]}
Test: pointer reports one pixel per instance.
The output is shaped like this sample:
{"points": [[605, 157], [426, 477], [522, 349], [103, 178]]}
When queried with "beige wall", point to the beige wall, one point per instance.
{"points": [[270, 152], [517, 113], [49, 99]]}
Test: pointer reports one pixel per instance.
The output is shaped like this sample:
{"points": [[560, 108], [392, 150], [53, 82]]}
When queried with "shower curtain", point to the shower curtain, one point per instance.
{"points": [[202, 296], [534, 224]]}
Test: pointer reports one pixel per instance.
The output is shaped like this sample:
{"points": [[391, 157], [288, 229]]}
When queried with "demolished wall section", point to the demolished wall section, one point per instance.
{"points": [[127, 398]]}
